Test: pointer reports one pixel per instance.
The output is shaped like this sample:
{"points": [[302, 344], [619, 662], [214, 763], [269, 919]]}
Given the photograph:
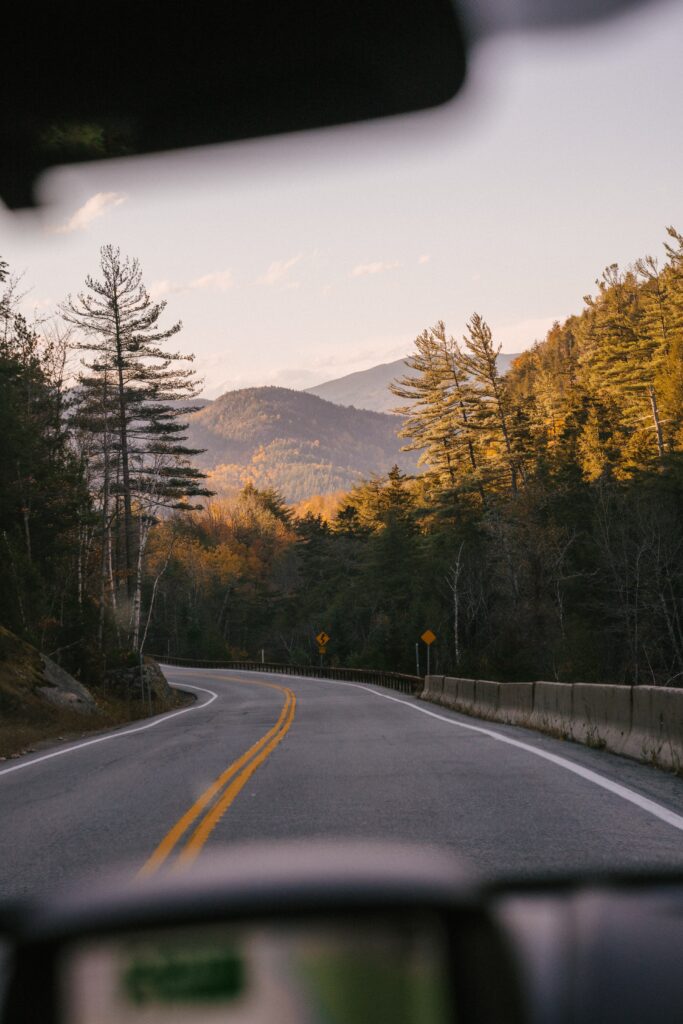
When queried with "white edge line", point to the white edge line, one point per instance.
{"points": [[645, 804], [115, 735]]}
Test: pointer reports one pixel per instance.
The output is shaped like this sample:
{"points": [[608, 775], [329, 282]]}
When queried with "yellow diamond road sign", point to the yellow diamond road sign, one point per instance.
{"points": [[428, 637], [322, 638]]}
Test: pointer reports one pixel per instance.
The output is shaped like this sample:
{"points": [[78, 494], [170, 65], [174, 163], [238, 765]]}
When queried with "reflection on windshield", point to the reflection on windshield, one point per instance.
{"points": [[321, 975]]}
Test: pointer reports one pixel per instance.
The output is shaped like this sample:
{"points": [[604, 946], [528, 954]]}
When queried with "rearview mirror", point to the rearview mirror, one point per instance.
{"points": [[153, 78]]}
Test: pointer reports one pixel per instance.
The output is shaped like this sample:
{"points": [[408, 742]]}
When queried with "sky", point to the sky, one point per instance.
{"points": [[299, 259]]}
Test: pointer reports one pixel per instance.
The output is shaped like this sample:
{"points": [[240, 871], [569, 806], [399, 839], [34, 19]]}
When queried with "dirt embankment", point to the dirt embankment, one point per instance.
{"points": [[41, 704]]}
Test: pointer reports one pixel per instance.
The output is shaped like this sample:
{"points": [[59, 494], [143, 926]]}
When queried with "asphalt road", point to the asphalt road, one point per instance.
{"points": [[270, 757]]}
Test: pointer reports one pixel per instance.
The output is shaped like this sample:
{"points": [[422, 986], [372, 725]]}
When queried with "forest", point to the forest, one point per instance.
{"points": [[540, 538]]}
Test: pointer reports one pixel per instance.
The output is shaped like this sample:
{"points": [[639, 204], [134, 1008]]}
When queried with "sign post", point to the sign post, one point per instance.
{"points": [[429, 637], [322, 640]]}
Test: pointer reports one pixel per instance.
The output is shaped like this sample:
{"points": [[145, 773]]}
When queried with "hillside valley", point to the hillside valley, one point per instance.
{"points": [[293, 441], [303, 443]]}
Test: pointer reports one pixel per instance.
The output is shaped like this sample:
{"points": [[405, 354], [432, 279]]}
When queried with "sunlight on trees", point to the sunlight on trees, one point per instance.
{"points": [[542, 537]]}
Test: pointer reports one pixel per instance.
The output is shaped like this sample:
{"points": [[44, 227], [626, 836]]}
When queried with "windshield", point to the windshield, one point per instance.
{"points": [[341, 482]]}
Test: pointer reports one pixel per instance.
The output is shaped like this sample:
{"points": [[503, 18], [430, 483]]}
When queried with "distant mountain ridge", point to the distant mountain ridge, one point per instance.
{"points": [[293, 441], [365, 389], [369, 389], [302, 443]]}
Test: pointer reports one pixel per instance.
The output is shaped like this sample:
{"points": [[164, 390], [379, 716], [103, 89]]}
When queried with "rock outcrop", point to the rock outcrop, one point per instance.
{"points": [[125, 684], [29, 681]]}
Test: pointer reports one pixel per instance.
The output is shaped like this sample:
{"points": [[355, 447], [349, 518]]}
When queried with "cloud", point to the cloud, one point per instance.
{"points": [[91, 210], [216, 281], [278, 270], [219, 281], [424, 258], [158, 289], [378, 267]]}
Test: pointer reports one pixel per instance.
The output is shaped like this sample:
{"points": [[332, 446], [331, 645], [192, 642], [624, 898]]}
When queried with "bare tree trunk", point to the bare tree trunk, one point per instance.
{"points": [[655, 416], [105, 556], [111, 581], [514, 465], [27, 533], [125, 468], [137, 597], [154, 590], [453, 579]]}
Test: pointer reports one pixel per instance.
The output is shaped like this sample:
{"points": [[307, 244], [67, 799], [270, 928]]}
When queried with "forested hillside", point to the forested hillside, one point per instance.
{"points": [[293, 442], [89, 466], [544, 539], [45, 505]]}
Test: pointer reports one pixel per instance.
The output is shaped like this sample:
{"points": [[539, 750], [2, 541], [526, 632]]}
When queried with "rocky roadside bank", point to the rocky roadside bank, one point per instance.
{"points": [[41, 704]]}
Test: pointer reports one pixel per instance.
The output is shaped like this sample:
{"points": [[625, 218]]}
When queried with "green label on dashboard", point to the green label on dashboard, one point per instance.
{"points": [[160, 975]]}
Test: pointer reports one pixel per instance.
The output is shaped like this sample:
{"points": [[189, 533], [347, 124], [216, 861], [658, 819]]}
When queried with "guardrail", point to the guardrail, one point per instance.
{"points": [[376, 677]]}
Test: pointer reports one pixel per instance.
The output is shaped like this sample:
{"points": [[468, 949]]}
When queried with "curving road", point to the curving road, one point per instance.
{"points": [[266, 757]]}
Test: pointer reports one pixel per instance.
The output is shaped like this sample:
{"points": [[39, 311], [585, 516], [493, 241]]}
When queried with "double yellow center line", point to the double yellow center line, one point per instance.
{"points": [[208, 810]]}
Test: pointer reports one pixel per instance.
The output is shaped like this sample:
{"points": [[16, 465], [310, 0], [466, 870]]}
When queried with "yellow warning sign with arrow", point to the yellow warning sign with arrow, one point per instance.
{"points": [[322, 638]]}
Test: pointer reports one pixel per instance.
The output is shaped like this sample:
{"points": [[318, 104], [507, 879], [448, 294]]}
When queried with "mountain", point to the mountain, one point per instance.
{"points": [[293, 441], [366, 389], [369, 389]]}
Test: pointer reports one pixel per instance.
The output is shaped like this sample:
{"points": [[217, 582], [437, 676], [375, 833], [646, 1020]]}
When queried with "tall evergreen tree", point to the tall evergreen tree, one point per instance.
{"points": [[439, 410], [492, 413], [129, 400], [620, 361]]}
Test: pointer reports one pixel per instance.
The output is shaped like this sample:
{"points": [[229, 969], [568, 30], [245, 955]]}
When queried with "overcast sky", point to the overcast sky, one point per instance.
{"points": [[295, 260]]}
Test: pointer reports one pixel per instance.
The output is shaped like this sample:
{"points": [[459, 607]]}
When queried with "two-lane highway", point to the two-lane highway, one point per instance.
{"points": [[269, 757]]}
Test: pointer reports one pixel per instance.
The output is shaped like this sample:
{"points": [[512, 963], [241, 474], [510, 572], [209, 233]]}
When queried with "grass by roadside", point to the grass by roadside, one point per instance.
{"points": [[45, 727]]}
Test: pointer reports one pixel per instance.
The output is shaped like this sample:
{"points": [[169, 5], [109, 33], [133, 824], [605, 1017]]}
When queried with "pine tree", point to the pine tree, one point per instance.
{"points": [[128, 401], [492, 413], [438, 413], [620, 360]]}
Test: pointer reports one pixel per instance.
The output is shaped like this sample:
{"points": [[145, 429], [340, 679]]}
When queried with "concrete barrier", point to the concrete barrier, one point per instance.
{"points": [[516, 703], [450, 692], [459, 694], [601, 715], [657, 727], [667, 708], [486, 698], [466, 698], [433, 688], [644, 722], [552, 709]]}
